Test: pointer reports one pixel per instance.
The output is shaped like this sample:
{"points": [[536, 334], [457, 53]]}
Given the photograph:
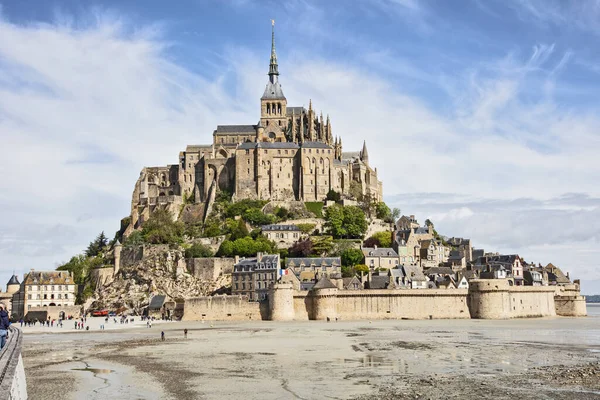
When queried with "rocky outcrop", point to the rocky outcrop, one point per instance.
{"points": [[154, 270]]}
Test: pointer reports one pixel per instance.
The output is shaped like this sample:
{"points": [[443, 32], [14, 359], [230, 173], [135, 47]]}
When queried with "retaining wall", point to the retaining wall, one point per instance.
{"points": [[13, 385], [224, 308]]}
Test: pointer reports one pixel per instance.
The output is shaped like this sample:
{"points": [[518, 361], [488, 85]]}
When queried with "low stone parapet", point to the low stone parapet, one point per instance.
{"points": [[13, 385]]}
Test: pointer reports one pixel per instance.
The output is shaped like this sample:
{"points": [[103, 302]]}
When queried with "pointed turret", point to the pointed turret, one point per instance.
{"points": [[328, 130], [364, 154], [322, 135]]}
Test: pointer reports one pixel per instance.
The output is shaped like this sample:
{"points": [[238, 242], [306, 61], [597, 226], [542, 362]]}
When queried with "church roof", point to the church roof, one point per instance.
{"points": [[235, 129], [295, 110], [347, 155], [247, 145], [277, 145], [273, 92], [318, 145]]}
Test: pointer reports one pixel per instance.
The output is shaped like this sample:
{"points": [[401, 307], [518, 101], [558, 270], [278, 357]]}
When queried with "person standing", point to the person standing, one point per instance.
{"points": [[162, 335], [4, 324], [185, 333]]}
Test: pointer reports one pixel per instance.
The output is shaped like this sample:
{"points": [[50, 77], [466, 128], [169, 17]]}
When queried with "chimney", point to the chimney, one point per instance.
{"points": [[412, 217], [375, 246], [236, 260], [259, 256]]}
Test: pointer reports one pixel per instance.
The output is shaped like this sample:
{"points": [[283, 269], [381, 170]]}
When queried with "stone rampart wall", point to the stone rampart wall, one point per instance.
{"points": [[210, 268], [102, 276], [224, 308], [53, 312]]}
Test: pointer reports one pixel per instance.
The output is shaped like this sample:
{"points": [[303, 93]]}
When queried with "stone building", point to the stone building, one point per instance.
{"points": [[380, 257], [309, 270], [407, 239], [284, 236], [289, 154], [12, 287], [43, 289], [252, 277], [433, 253]]}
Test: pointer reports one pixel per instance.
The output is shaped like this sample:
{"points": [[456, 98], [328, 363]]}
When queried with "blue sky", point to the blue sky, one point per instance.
{"points": [[481, 115]]}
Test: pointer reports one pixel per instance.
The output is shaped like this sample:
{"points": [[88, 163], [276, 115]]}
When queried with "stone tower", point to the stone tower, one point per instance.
{"points": [[273, 104], [13, 285], [281, 302]]}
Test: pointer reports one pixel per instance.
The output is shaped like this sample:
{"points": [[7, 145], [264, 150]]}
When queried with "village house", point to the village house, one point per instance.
{"points": [[463, 246], [254, 276], [380, 257], [433, 253], [556, 276], [284, 236], [457, 260], [407, 277], [495, 271], [310, 270], [407, 239], [42, 289]]}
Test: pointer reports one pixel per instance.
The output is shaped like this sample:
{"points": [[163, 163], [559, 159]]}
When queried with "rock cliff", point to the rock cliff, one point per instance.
{"points": [[152, 270]]}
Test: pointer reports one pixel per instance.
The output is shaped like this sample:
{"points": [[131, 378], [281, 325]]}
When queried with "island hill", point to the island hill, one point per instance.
{"points": [[280, 203]]}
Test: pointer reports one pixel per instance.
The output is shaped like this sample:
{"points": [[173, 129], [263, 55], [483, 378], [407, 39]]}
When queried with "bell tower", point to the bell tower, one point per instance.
{"points": [[273, 104]]}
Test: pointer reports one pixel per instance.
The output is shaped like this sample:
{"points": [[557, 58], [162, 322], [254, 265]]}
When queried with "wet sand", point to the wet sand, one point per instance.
{"points": [[557, 358]]}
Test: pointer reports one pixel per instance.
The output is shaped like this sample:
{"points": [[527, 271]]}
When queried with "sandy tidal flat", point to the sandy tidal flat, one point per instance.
{"points": [[555, 358]]}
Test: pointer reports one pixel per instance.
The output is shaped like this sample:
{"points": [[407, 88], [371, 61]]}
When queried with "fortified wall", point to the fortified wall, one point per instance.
{"points": [[485, 299]]}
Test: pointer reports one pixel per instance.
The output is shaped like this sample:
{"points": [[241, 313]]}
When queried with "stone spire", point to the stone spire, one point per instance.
{"points": [[364, 154], [273, 68], [329, 135], [322, 133]]}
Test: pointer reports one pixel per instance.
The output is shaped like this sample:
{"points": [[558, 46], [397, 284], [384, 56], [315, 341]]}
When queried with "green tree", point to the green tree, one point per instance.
{"points": [[332, 195], [97, 245], [212, 227], [198, 250], [306, 228], [351, 257], [361, 268], [282, 213], [239, 230], [395, 214], [334, 220], [79, 267], [380, 239], [383, 212], [355, 191], [302, 248], [256, 217], [134, 239], [355, 222], [161, 229], [321, 245]]}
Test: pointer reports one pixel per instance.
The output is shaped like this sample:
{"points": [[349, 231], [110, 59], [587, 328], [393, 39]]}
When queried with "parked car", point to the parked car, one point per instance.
{"points": [[100, 313], [112, 314]]}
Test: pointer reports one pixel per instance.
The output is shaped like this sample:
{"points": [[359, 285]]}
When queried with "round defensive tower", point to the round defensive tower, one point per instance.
{"points": [[13, 285], [489, 298], [324, 295], [281, 302]]}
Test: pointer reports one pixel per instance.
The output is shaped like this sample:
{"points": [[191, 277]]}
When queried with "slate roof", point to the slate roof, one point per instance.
{"points": [[414, 273], [272, 259], [192, 148], [277, 145], [454, 241], [313, 145], [294, 110], [348, 155], [157, 302], [556, 274], [48, 278], [277, 227], [235, 129], [478, 253], [396, 273], [319, 261], [439, 271], [247, 145], [14, 280], [324, 283], [455, 255], [379, 252], [273, 91], [378, 282], [348, 281]]}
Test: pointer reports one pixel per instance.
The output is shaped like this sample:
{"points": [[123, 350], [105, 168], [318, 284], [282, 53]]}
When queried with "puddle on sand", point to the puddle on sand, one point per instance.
{"points": [[94, 370]]}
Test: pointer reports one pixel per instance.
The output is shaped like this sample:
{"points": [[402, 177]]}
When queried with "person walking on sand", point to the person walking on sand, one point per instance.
{"points": [[162, 335], [185, 333]]}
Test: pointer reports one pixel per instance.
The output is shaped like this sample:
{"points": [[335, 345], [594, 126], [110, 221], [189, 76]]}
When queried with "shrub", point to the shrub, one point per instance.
{"points": [[302, 248], [380, 239], [333, 195], [134, 239], [383, 211], [351, 257], [161, 229], [198, 250], [306, 228]]}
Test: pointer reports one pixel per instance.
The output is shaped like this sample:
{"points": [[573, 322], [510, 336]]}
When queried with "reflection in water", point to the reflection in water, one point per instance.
{"points": [[378, 362]]}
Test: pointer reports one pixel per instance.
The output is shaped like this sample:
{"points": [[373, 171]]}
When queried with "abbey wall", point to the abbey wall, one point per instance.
{"points": [[289, 154], [485, 299]]}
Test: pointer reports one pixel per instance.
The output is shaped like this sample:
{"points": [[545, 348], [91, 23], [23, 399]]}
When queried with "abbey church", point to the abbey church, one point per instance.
{"points": [[290, 154]]}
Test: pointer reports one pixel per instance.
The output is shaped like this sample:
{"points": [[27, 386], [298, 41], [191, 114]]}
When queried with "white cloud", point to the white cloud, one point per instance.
{"points": [[82, 109]]}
